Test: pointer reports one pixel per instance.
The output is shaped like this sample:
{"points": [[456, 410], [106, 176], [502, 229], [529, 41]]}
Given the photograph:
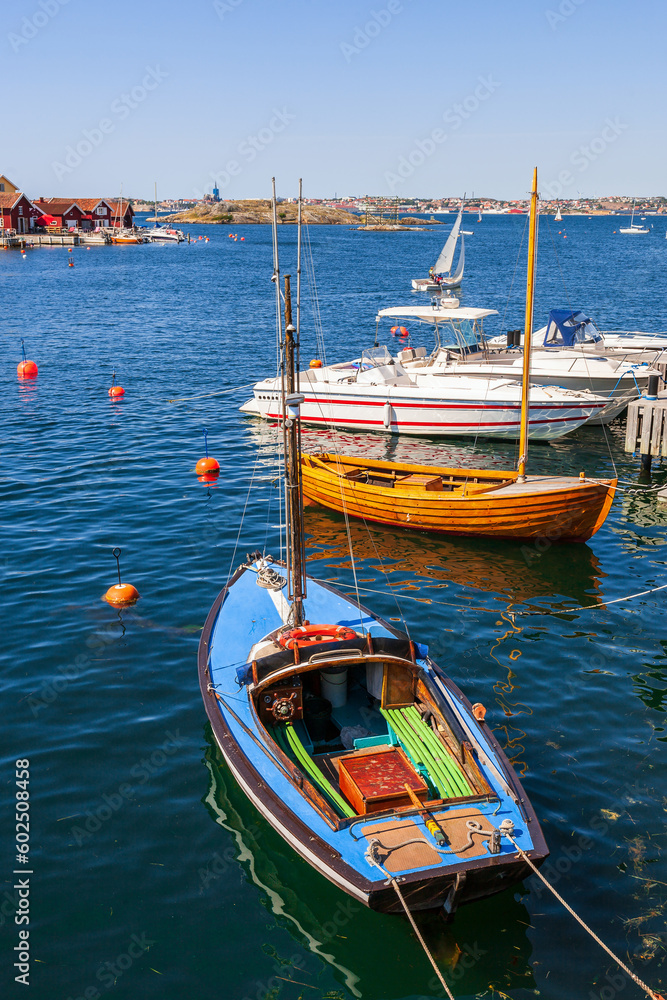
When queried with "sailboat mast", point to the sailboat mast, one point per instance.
{"points": [[155, 211], [528, 330], [292, 430]]}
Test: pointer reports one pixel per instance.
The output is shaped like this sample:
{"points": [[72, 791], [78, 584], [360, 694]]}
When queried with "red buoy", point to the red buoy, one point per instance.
{"points": [[116, 390], [207, 468], [207, 465], [26, 368], [121, 593]]}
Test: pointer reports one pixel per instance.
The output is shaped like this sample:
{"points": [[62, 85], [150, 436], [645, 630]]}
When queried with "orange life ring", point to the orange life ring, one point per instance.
{"points": [[305, 635]]}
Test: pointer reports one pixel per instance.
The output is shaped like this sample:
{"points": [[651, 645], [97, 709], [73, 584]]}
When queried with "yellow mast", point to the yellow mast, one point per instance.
{"points": [[528, 330]]}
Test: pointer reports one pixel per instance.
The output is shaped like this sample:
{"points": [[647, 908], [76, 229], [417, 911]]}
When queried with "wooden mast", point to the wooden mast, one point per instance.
{"points": [[528, 331], [291, 400]]}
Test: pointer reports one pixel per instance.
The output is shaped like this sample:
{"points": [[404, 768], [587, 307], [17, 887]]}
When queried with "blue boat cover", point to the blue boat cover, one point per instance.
{"points": [[567, 328]]}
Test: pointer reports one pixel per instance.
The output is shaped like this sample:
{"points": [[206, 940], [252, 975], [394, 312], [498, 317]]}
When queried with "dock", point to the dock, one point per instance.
{"points": [[646, 426]]}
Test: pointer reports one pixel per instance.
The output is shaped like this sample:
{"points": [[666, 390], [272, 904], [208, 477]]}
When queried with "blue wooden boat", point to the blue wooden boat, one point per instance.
{"points": [[287, 757], [347, 737]]}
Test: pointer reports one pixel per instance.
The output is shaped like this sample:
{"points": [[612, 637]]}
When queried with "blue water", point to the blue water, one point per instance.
{"points": [[152, 875]]}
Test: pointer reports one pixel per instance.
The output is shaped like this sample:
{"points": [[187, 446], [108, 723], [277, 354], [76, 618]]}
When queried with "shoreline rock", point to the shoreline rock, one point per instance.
{"points": [[232, 213]]}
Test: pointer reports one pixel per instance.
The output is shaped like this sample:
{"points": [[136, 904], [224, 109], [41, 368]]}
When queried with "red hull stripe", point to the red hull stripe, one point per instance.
{"points": [[431, 423]]}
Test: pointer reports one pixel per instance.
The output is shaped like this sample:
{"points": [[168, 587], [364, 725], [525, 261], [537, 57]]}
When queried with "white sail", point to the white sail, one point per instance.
{"points": [[459, 267], [443, 265]]}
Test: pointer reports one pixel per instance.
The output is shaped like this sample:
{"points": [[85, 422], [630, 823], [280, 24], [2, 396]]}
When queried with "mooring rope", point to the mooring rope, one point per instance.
{"points": [[537, 611], [221, 392], [647, 989], [408, 914]]}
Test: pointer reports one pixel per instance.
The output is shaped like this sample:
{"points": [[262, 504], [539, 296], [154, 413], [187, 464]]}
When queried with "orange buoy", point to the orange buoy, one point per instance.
{"points": [[207, 466], [70, 250], [121, 593], [70, 263], [116, 390], [315, 363], [242, 239], [26, 368]]}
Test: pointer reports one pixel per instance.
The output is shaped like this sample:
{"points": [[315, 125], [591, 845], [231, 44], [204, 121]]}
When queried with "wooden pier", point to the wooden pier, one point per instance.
{"points": [[646, 427], [19, 241]]}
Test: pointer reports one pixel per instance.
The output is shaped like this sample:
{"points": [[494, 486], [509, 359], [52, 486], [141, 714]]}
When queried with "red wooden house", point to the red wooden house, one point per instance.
{"points": [[123, 215], [99, 212], [17, 212], [59, 213]]}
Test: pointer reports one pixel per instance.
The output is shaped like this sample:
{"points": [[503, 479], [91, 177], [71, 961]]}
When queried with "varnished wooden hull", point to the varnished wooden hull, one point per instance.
{"points": [[553, 508]]}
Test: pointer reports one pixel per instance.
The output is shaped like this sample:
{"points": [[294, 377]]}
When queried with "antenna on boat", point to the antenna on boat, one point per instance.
{"points": [[528, 332]]}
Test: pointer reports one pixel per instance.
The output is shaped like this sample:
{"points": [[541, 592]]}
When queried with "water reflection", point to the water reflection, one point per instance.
{"points": [[514, 572], [371, 955]]}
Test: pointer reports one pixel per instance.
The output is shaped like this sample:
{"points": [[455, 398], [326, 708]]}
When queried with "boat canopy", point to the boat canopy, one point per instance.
{"points": [[567, 328], [434, 314]]}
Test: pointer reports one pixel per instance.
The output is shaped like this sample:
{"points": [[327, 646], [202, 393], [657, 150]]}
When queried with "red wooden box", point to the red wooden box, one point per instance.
{"points": [[375, 779]]}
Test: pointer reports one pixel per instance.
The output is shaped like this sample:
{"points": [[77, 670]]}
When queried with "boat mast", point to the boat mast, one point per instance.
{"points": [[528, 331], [291, 399], [155, 210]]}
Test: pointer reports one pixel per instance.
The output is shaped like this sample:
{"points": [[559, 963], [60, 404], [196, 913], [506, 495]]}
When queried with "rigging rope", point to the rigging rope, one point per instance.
{"points": [[394, 883], [635, 978]]}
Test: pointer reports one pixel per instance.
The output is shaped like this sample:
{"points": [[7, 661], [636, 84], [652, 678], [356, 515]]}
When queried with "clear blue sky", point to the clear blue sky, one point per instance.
{"points": [[402, 97]]}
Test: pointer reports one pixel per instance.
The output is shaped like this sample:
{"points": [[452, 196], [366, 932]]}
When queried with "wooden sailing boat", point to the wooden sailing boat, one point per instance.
{"points": [[466, 501], [347, 737]]}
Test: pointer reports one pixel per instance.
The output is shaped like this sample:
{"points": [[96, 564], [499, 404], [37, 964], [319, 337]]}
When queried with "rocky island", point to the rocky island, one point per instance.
{"points": [[259, 211]]}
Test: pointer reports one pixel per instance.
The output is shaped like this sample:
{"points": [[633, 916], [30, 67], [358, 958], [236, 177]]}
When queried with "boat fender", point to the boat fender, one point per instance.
{"points": [[306, 634], [479, 711], [386, 416]]}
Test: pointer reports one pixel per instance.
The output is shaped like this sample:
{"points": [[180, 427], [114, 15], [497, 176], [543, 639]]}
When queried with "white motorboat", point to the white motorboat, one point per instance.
{"points": [[576, 331], [164, 234], [461, 349], [376, 393], [441, 275], [632, 229]]}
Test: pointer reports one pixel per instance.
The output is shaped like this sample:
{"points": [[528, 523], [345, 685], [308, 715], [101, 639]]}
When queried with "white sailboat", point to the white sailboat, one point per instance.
{"points": [[632, 229], [441, 275], [558, 217]]}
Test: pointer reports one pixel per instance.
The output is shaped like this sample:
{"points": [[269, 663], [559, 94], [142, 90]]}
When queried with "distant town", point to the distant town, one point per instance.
{"points": [[379, 205]]}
